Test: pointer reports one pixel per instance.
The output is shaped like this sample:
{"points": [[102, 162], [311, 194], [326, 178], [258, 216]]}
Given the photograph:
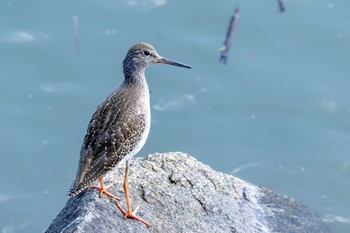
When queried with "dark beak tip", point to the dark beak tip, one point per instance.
{"points": [[171, 62]]}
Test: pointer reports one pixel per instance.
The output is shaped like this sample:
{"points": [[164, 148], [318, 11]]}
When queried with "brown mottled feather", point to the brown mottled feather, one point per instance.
{"points": [[119, 127], [113, 132]]}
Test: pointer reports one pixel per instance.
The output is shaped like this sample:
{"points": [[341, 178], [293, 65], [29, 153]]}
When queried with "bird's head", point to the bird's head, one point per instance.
{"points": [[141, 55]]}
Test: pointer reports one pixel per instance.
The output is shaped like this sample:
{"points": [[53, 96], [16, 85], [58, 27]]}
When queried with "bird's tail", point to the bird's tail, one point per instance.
{"points": [[72, 191]]}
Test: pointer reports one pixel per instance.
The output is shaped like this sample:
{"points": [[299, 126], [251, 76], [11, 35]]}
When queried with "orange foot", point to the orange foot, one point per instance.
{"points": [[103, 189], [132, 214]]}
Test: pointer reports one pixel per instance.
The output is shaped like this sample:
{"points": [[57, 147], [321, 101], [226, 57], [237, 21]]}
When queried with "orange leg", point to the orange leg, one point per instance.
{"points": [[129, 213], [103, 189]]}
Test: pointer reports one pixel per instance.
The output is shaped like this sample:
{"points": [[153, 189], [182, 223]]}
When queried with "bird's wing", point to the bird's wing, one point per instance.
{"points": [[113, 131]]}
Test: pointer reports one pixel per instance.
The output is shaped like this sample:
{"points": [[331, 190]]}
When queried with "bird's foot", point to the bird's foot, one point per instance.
{"points": [[103, 190], [132, 214]]}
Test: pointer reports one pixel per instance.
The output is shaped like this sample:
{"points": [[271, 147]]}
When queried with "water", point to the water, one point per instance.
{"points": [[276, 115]]}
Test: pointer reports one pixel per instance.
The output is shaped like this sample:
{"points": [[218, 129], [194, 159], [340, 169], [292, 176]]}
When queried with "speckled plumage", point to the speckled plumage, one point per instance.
{"points": [[120, 125]]}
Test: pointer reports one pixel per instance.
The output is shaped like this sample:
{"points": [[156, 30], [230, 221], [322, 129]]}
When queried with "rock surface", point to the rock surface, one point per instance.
{"points": [[177, 193]]}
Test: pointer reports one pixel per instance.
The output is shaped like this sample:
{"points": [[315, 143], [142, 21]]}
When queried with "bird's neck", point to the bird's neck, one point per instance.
{"points": [[136, 89], [133, 74], [136, 79]]}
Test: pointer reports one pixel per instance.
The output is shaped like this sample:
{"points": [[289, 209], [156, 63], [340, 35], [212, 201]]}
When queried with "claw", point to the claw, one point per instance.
{"points": [[135, 210], [103, 189], [132, 214]]}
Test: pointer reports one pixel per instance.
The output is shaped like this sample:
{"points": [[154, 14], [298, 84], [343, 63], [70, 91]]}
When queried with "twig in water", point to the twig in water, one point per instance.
{"points": [[229, 35]]}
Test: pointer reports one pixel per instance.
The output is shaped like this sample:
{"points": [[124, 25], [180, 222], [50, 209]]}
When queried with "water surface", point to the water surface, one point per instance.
{"points": [[277, 114]]}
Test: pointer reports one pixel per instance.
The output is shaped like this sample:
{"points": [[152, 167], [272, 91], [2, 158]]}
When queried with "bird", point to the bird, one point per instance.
{"points": [[119, 127]]}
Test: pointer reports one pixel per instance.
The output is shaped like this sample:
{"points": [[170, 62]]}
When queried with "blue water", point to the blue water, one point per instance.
{"points": [[277, 114]]}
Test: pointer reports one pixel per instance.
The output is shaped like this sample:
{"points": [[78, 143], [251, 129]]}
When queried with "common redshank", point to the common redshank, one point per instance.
{"points": [[120, 126]]}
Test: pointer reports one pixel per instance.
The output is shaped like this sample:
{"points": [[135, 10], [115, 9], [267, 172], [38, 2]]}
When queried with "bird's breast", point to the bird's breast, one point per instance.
{"points": [[144, 111], [143, 114]]}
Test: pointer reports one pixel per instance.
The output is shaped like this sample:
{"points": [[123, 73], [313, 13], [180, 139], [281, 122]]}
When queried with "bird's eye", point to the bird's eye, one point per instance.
{"points": [[146, 53]]}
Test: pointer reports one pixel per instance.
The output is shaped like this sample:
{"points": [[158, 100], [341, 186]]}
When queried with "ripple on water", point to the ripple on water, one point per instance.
{"points": [[22, 36], [146, 3], [57, 87], [174, 102], [331, 218], [4, 198]]}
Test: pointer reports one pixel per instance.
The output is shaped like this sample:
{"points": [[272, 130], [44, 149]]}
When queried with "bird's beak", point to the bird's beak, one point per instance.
{"points": [[171, 62]]}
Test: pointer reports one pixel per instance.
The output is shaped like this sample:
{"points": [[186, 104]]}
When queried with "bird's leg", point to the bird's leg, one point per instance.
{"points": [[103, 189], [129, 213]]}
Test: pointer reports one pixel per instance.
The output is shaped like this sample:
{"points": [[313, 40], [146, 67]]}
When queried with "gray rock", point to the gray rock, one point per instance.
{"points": [[177, 193]]}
